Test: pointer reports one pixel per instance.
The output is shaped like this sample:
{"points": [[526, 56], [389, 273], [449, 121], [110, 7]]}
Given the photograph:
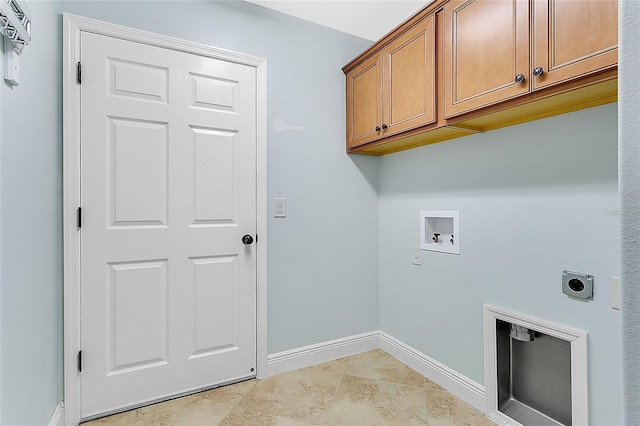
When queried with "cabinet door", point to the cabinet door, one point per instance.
{"points": [[573, 38], [409, 79], [364, 102], [486, 46]]}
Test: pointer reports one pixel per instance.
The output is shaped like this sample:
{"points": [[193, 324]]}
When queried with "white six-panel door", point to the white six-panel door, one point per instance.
{"points": [[168, 189]]}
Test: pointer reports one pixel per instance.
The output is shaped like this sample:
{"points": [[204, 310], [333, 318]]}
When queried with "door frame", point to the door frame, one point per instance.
{"points": [[73, 26]]}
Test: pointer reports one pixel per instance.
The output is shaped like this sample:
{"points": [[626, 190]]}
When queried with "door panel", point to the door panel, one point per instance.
{"points": [[410, 99], [215, 175], [214, 300], [137, 338], [168, 172], [137, 196], [135, 80], [486, 45], [214, 93], [574, 38]]}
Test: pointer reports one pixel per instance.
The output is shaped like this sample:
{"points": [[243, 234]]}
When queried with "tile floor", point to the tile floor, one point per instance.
{"points": [[371, 388]]}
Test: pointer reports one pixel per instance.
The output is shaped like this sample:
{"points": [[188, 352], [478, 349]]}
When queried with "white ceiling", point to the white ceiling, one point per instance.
{"points": [[369, 19]]}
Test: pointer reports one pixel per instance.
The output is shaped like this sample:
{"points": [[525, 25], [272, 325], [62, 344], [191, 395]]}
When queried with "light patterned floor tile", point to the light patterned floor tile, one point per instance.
{"points": [[375, 402], [378, 365], [248, 416], [371, 388], [303, 395], [447, 410], [231, 394]]}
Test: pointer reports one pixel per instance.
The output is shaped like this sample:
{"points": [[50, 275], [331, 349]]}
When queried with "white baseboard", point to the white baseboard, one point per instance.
{"points": [[57, 418], [457, 384], [306, 356]]}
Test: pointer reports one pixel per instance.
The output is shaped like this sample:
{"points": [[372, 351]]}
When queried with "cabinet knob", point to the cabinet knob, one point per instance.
{"points": [[538, 71], [377, 128], [384, 126], [520, 78]]}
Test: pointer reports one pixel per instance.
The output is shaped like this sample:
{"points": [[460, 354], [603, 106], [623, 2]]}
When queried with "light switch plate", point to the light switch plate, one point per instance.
{"points": [[280, 207], [416, 256], [615, 293]]}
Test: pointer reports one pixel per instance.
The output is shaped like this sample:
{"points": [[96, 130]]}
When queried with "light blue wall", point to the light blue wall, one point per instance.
{"points": [[534, 199], [31, 284]]}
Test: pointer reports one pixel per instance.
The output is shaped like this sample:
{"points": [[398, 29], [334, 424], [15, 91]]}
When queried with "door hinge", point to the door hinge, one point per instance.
{"points": [[79, 218], [79, 73], [256, 238], [80, 362]]}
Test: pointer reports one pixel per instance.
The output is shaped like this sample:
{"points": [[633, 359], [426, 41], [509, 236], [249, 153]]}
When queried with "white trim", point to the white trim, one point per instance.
{"points": [[71, 200], [578, 340], [455, 383], [262, 209], [72, 27], [306, 356], [57, 418]]}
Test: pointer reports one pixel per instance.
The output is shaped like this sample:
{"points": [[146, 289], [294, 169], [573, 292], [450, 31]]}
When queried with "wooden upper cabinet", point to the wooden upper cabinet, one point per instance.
{"points": [[394, 89], [409, 79], [486, 47], [364, 102], [459, 67], [573, 38]]}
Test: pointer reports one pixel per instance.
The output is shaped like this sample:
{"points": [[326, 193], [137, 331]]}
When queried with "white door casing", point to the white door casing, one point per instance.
{"points": [[151, 235]]}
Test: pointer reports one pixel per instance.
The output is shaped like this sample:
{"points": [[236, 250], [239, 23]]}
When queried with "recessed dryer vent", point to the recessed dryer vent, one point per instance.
{"points": [[440, 231], [534, 376], [535, 371]]}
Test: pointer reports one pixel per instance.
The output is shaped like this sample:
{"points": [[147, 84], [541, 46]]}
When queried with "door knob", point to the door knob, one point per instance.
{"points": [[520, 78], [247, 239], [538, 71]]}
